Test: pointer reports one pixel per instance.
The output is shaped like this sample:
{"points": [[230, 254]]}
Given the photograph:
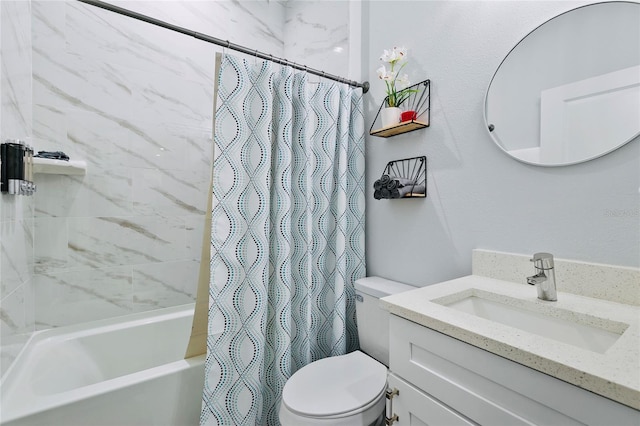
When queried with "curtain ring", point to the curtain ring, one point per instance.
{"points": [[224, 52]]}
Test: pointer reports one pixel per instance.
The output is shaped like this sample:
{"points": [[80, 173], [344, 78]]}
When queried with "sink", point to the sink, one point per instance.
{"points": [[557, 324]]}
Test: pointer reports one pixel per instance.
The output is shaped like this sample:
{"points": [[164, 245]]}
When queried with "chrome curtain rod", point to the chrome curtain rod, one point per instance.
{"points": [[223, 43]]}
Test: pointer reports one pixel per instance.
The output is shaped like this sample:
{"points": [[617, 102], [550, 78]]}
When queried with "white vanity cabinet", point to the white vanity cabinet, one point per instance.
{"points": [[444, 381]]}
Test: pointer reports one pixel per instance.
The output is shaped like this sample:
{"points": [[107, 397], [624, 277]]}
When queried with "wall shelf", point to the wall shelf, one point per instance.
{"points": [[419, 100], [59, 167], [397, 129], [402, 179]]}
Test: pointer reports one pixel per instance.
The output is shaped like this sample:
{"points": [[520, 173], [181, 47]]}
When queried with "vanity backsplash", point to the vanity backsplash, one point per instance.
{"points": [[608, 282]]}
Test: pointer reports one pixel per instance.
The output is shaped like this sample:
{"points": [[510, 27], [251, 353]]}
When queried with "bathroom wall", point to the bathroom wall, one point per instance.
{"points": [[317, 34], [16, 212], [134, 101], [478, 197]]}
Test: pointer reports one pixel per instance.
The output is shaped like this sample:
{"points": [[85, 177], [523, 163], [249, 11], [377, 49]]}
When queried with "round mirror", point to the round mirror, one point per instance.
{"points": [[569, 91]]}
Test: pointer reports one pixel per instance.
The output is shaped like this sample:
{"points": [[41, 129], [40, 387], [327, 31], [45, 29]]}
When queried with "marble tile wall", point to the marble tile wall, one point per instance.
{"points": [[16, 212], [317, 35], [134, 101]]}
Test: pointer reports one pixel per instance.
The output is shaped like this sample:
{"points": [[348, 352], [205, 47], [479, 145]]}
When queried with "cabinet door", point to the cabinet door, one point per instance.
{"points": [[416, 408]]}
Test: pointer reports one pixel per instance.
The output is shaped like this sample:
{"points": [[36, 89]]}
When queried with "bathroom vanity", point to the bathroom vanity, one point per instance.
{"points": [[481, 350]]}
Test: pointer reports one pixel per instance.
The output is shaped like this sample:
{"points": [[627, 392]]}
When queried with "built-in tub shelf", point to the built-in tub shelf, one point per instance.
{"points": [[59, 167]]}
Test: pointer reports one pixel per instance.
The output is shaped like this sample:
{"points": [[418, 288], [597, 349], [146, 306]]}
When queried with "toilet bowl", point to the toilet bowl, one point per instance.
{"points": [[342, 390], [347, 390]]}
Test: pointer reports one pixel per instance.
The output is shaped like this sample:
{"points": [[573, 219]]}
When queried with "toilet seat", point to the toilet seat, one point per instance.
{"points": [[342, 386]]}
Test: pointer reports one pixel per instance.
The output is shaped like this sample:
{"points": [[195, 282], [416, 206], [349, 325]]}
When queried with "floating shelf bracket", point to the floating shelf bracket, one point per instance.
{"points": [[402, 179], [419, 101]]}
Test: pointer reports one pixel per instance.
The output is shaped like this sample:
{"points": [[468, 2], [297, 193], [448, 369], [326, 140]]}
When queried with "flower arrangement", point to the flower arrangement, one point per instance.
{"points": [[396, 84]]}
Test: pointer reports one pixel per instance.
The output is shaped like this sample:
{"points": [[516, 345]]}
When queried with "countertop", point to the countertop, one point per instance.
{"points": [[614, 374]]}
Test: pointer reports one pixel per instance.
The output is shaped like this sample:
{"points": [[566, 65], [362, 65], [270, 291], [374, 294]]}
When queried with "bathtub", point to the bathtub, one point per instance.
{"points": [[123, 371]]}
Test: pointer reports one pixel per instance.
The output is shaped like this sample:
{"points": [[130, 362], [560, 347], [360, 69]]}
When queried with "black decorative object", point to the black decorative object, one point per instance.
{"points": [[52, 155], [402, 179], [16, 168]]}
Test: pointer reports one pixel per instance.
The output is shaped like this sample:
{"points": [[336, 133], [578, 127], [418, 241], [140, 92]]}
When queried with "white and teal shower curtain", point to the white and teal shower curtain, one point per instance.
{"points": [[287, 237]]}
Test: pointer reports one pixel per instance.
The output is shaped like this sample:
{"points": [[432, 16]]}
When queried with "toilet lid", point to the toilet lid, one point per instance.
{"points": [[335, 385]]}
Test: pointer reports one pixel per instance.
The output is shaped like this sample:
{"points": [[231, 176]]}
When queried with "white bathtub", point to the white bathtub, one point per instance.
{"points": [[115, 372]]}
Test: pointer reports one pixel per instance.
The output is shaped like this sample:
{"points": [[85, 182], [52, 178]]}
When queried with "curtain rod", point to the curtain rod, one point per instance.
{"points": [[223, 43]]}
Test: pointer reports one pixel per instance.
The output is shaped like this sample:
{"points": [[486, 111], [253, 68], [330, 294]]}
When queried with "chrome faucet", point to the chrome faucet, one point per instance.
{"points": [[545, 277]]}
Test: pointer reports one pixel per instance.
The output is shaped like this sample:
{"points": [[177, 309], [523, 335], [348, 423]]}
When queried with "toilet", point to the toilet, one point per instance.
{"points": [[347, 390]]}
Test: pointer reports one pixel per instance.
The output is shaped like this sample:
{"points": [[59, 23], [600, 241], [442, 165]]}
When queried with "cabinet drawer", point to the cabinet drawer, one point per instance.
{"points": [[415, 408], [490, 389]]}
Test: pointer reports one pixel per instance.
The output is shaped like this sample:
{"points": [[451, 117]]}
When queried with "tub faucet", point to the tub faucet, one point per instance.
{"points": [[545, 277]]}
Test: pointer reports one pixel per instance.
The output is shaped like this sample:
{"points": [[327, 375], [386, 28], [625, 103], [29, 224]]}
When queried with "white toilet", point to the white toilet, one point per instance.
{"points": [[347, 390]]}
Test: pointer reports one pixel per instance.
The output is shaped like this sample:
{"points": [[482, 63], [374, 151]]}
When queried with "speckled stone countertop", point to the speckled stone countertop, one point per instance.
{"points": [[614, 374]]}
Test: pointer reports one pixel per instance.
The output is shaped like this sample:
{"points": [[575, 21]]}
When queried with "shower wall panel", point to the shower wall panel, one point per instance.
{"points": [[135, 101], [317, 34], [16, 212]]}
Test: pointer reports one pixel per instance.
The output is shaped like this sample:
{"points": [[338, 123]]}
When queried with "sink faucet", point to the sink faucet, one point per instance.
{"points": [[545, 277]]}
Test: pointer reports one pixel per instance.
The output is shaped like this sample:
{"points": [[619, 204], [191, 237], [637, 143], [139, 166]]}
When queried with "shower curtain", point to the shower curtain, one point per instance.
{"points": [[287, 238]]}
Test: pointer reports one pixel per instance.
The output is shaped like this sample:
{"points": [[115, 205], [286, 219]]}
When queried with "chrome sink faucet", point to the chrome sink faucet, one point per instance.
{"points": [[545, 277]]}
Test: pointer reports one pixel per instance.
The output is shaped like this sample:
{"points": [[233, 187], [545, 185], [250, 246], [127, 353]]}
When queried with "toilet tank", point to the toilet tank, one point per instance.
{"points": [[373, 321]]}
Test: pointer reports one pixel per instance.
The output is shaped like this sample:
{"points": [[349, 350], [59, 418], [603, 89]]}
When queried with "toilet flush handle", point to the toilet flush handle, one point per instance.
{"points": [[391, 393]]}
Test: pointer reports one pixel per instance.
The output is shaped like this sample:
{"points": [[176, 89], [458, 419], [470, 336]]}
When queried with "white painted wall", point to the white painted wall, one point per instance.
{"points": [[478, 197]]}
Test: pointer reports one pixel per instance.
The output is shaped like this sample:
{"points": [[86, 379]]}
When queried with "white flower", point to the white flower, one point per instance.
{"points": [[395, 84], [385, 75], [394, 55], [402, 82], [388, 56]]}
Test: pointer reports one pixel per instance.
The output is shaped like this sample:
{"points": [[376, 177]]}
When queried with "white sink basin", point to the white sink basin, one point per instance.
{"points": [[557, 324]]}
